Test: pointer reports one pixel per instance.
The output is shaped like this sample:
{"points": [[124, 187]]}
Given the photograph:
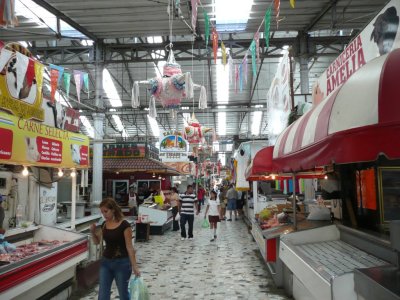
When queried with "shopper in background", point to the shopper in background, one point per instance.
{"points": [[223, 201], [232, 196], [174, 201], [118, 261], [214, 212], [187, 206], [132, 202], [200, 196]]}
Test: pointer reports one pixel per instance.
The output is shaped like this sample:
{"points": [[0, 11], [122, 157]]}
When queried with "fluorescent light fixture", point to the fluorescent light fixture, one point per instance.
{"points": [[111, 91], [87, 125], [256, 122], [221, 122], [120, 126], [215, 146], [229, 147], [87, 42], [232, 15], [154, 126], [222, 83]]}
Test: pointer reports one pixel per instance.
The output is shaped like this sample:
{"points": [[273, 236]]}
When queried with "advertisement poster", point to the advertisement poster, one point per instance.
{"points": [[379, 37], [26, 142], [48, 205], [173, 143], [181, 167], [278, 100], [124, 150], [21, 81]]}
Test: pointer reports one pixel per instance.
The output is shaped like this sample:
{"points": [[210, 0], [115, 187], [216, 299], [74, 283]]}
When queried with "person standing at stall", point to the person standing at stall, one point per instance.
{"points": [[119, 260], [187, 206], [232, 196], [174, 201]]}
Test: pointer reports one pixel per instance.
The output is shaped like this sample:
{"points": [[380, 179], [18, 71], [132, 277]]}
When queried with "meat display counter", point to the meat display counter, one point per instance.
{"points": [[45, 258], [160, 220]]}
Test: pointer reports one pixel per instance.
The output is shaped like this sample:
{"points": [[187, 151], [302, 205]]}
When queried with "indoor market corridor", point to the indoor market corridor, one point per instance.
{"points": [[230, 268]]}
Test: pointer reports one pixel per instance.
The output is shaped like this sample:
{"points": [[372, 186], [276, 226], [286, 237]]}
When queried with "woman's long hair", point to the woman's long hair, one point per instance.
{"points": [[111, 204]]}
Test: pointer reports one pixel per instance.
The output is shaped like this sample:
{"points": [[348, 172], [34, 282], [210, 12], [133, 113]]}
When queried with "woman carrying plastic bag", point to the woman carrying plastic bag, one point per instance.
{"points": [[138, 289]]}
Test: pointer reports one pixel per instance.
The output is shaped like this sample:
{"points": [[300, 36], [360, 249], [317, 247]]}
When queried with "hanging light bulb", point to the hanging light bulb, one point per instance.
{"points": [[273, 177], [73, 173], [154, 175], [326, 177], [60, 173], [25, 171], [159, 177]]}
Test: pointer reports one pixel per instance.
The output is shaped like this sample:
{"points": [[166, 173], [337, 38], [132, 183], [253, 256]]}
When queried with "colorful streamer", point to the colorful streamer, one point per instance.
{"points": [[257, 39], [215, 43], [267, 26], [86, 82], [78, 83], [67, 83], [253, 57], [231, 69], [206, 27], [236, 78], [245, 67], [223, 50], [277, 6], [194, 14], [241, 77], [53, 84], [292, 3], [60, 72]]}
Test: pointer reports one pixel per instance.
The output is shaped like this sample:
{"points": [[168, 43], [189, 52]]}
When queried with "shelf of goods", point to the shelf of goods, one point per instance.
{"points": [[323, 260], [160, 220], [45, 258]]}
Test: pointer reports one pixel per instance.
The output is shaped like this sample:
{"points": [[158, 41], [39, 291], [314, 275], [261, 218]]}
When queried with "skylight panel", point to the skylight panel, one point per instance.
{"points": [[87, 125], [221, 122], [222, 83], [110, 90], [256, 122], [231, 15], [154, 126]]}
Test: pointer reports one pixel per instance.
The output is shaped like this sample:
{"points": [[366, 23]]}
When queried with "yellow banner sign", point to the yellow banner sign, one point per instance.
{"points": [[26, 142], [21, 81]]}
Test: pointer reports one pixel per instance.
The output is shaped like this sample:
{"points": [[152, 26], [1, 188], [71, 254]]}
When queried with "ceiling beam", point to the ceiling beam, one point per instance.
{"points": [[66, 19], [131, 111], [320, 15]]}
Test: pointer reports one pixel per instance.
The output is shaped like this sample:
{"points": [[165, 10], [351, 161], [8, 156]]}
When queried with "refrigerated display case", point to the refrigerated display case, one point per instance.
{"points": [[46, 258]]}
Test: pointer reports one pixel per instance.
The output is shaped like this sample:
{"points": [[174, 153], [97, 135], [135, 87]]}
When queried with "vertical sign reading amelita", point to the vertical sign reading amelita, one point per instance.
{"points": [[50, 150]]}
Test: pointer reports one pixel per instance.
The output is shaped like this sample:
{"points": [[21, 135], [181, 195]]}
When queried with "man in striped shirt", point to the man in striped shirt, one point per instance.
{"points": [[187, 206]]}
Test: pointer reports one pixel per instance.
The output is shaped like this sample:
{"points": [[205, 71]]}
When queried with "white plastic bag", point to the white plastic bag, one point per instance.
{"points": [[177, 217], [138, 289], [319, 213]]}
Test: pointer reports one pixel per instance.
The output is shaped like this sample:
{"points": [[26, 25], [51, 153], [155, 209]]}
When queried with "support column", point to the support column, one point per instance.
{"points": [[255, 198], [97, 182], [98, 122], [304, 55], [73, 199]]}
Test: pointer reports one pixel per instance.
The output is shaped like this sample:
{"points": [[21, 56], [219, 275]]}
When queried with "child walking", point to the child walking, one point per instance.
{"points": [[213, 210]]}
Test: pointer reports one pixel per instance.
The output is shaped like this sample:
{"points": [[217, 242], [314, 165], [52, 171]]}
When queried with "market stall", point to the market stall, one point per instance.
{"points": [[352, 134], [39, 146]]}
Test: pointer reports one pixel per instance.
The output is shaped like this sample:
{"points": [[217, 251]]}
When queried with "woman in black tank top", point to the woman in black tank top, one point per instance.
{"points": [[118, 261]]}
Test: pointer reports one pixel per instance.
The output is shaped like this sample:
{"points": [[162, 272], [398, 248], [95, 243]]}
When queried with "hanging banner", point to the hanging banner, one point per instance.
{"points": [[278, 100], [21, 79], [174, 143], [267, 26], [214, 35], [26, 142], [379, 37], [78, 84], [206, 27], [67, 83]]}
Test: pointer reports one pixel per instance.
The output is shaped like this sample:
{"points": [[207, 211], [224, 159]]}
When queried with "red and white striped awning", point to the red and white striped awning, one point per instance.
{"points": [[356, 123]]}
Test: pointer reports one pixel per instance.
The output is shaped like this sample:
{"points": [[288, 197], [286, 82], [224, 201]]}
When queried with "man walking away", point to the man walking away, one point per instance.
{"points": [[232, 196], [187, 206]]}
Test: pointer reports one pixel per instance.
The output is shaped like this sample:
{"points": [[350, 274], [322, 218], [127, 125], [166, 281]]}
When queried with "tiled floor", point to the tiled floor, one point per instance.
{"points": [[230, 268]]}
